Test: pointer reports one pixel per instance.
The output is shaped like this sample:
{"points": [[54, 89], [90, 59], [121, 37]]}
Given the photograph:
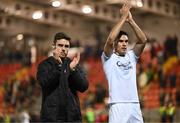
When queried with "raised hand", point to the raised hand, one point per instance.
{"points": [[125, 9], [75, 61], [56, 54]]}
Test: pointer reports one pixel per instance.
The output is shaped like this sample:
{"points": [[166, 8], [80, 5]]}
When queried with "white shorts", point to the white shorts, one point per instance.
{"points": [[125, 113]]}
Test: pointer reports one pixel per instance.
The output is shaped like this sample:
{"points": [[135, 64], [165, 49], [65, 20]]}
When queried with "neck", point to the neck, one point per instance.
{"points": [[63, 59], [119, 54]]}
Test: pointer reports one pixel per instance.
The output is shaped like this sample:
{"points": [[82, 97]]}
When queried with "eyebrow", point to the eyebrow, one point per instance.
{"points": [[65, 45], [122, 40]]}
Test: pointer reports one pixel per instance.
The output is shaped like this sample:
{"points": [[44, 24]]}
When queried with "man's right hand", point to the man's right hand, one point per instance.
{"points": [[56, 55]]}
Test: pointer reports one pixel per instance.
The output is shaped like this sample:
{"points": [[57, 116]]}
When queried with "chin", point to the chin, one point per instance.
{"points": [[62, 56], [124, 52]]}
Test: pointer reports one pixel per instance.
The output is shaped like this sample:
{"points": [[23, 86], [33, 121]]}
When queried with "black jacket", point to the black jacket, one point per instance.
{"points": [[59, 85]]}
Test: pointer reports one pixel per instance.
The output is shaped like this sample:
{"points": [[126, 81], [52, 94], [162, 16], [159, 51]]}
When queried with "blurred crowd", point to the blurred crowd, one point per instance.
{"points": [[158, 77]]}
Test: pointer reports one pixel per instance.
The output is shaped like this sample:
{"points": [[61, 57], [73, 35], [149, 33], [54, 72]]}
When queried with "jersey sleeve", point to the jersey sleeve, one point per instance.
{"points": [[104, 58]]}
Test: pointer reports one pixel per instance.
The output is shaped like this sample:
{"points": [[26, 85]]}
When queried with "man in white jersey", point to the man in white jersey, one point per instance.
{"points": [[120, 69]]}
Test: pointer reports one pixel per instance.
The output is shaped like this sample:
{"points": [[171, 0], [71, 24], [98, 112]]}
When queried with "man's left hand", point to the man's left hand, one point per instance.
{"points": [[75, 61]]}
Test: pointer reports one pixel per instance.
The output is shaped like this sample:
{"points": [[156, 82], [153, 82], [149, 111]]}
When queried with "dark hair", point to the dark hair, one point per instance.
{"points": [[61, 35], [122, 33], [119, 35]]}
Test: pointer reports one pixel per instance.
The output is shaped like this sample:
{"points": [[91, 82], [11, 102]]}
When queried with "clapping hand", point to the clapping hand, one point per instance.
{"points": [[124, 11], [56, 54], [75, 61]]}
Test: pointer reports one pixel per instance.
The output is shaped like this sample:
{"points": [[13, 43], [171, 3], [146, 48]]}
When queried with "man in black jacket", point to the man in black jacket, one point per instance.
{"points": [[60, 78]]}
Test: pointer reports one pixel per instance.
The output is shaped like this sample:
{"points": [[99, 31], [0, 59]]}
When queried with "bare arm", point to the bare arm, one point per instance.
{"points": [[140, 44], [116, 29]]}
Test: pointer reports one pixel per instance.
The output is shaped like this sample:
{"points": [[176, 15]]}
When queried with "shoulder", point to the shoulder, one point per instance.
{"points": [[46, 61], [130, 51], [132, 54], [105, 58]]}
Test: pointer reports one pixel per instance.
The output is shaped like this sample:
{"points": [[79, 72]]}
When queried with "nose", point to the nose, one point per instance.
{"points": [[124, 43], [63, 49]]}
